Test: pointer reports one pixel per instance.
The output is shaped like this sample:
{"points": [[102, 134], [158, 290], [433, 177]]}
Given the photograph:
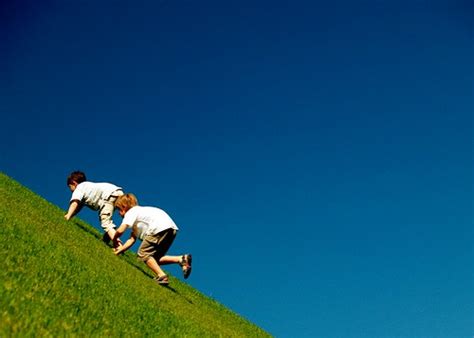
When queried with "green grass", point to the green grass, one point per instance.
{"points": [[57, 278]]}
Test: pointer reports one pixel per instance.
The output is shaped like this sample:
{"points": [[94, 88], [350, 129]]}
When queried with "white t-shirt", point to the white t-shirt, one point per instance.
{"points": [[148, 221], [93, 194]]}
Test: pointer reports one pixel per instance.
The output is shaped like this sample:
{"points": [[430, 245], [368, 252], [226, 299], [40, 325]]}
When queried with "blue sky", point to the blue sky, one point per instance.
{"points": [[317, 157]]}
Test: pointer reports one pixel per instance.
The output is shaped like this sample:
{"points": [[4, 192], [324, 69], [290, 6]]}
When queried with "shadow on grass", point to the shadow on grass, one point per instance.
{"points": [[177, 292], [127, 257], [131, 260], [86, 228], [135, 263]]}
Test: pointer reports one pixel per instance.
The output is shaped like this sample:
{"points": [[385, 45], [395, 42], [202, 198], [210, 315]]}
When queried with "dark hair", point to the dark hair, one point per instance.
{"points": [[76, 176]]}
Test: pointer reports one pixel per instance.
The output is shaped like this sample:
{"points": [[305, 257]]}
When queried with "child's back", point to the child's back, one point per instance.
{"points": [[155, 228], [148, 220], [93, 194], [97, 196]]}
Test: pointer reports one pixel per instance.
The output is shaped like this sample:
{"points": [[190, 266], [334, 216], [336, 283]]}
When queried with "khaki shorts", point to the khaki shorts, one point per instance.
{"points": [[107, 211], [156, 246]]}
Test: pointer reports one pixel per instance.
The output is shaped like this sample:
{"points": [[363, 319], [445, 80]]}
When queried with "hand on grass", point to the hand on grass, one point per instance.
{"points": [[118, 250]]}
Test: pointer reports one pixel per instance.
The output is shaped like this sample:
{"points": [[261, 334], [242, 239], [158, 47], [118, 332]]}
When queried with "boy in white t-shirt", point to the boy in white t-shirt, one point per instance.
{"points": [[156, 230], [97, 196]]}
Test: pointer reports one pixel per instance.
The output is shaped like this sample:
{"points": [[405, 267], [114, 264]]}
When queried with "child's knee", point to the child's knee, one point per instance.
{"points": [[106, 222], [143, 257]]}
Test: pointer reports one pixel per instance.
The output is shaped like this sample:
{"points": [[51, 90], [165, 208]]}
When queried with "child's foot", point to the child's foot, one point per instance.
{"points": [[163, 280], [106, 238], [185, 263]]}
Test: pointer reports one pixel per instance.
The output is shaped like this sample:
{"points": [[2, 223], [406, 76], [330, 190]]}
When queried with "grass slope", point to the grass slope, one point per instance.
{"points": [[58, 279]]}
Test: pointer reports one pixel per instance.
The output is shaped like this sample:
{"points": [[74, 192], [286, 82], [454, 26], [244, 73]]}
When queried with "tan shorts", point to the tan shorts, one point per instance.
{"points": [[107, 211], [156, 246]]}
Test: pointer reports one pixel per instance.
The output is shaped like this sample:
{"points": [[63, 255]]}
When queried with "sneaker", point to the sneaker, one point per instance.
{"points": [[163, 280], [185, 263], [106, 238]]}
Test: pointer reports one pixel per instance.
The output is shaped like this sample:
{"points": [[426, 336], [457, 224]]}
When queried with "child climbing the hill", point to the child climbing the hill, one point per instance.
{"points": [[97, 196], [156, 230]]}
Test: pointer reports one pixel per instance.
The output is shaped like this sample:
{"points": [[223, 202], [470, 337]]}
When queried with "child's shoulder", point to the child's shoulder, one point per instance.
{"points": [[86, 184], [141, 209], [104, 185]]}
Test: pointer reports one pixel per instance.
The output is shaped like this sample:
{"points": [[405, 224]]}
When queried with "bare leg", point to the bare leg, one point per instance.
{"points": [[184, 261], [111, 234], [153, 265], [170, 260]]}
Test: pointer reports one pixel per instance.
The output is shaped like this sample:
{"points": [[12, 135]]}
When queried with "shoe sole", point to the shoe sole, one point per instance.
{"points": [[162, 282], [188, 270]]}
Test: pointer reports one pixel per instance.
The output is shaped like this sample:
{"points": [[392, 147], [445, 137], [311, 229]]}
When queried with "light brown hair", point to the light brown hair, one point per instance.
{"points": [[126, 202]]}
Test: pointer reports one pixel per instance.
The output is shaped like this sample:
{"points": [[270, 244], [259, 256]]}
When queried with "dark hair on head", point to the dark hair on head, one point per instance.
{"points": [[76, 176]]}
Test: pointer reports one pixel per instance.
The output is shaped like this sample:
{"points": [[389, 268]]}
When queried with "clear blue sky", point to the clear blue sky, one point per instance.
{"points": [[317, 157]]}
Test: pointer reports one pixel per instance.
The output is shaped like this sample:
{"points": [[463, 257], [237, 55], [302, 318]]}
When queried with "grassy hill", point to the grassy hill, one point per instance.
{"points": [[58, 279]]}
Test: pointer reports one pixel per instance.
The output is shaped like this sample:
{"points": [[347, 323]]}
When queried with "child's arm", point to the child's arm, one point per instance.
{"points": [[74, 208], [119, 232], [122, 248]]}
